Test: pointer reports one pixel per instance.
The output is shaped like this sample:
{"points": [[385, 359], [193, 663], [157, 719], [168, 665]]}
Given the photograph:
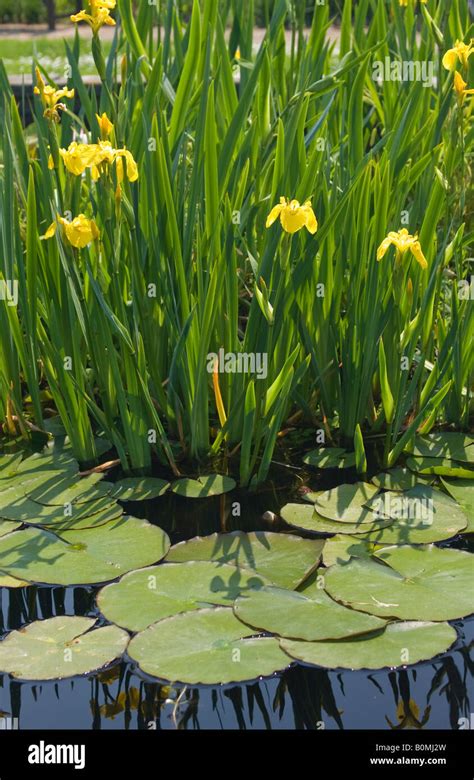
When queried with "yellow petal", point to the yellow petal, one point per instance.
{"points": [[384, 247], [50, 231], [450, 59], [82, 16], [419, 256], [81, 231], [459, 83], [274, 214], [293, 217], [132, 170], [311, 221], [105, 125]]}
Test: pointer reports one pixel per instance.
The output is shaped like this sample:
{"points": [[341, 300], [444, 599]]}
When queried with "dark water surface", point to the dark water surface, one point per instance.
{"points": [[431, 695]]}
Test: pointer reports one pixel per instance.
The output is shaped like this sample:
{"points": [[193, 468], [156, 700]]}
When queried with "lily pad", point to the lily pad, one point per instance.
{"points": [[208, 646], [6, 581], [9, 464], [291, 614], [463, 493], [345, 503], [7, 526], [330, 458], [410, 583], [92, 556], [56, 489], [60, 647], [203, 487], [400, 644], [139, 488], [104, 512], [54, 426], [341, 548], [45, 461], [421, 516], [21, 508], [283, 559], [311, 496], [146, 596], [399, 479], [305, 518], [455, 446], [441, 467]]}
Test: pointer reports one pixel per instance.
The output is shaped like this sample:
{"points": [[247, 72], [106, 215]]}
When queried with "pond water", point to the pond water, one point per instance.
{"points": [[434, 694]]}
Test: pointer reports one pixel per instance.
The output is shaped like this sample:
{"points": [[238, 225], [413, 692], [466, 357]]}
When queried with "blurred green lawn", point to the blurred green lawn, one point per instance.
{"points": [[18, 54]]}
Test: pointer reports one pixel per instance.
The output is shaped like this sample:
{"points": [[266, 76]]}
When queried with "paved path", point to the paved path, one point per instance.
{"points": [[65, 29]]}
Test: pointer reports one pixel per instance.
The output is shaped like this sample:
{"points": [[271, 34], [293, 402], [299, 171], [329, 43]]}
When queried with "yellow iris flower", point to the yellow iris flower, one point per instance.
{"points": [[79, 232], [460, 88], [105, 125], [404, 3], [99, 15], [78, 157], [460, 52], [293, 216], [51, 97], [403, 242]]}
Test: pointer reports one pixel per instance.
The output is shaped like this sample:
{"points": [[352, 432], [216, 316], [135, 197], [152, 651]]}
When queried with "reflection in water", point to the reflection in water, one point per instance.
{"points": [[428, 696], [432, 695]]}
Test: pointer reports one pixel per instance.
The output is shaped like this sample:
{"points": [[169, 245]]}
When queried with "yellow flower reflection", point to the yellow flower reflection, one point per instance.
{"points": [[99, 14], [125, 700], [293, 216], [78, 157], [459, 53], [51, 97], [408, 716], [460, 88], [403, 242], [80, 232]]}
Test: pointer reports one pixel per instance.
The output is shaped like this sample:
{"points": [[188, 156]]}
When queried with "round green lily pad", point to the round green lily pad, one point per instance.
{"points": [[139, 488], [22, 509], [330, 458], [9, 464], [283, 559], [56, 489], [311, 497], [203, 487], [6, 581], [345, 503], [341, 548], [410, 583], [148, 595], [399, 479], [44, 461], [441, 467], [207, 646], [304, 517], [60, 647], [90, 556], [455, 446], [400, 644], [421, 515], [7, 526], [103, 513], [291, 614], [463, 493]]}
